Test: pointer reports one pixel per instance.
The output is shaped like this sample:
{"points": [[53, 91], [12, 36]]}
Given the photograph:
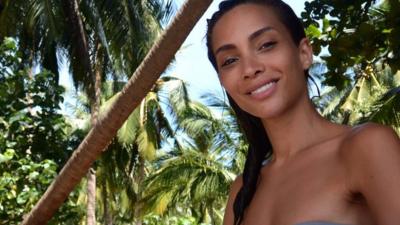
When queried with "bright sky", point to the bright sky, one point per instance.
{"points": [[192, 64]]}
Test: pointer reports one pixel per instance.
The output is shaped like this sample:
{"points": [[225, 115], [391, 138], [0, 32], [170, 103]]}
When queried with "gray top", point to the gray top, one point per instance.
{"points": [[318, 223]]}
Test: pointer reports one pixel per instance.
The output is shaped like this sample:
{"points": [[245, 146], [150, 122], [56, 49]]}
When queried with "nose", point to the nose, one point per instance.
{"points": [[252, 66]]}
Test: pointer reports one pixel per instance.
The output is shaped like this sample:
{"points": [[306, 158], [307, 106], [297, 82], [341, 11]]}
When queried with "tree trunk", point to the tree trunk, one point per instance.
{"points": [[107, 217], [106, 128], [81, 51], [95, 108], [139, 180], [78, 34], [91, 197], [211, 213], [1, 8]]}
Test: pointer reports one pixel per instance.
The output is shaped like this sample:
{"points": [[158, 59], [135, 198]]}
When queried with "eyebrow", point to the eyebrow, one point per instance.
{"points": [[250, 38]]}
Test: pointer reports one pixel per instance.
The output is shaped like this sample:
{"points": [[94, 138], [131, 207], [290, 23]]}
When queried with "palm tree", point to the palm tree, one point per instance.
{"points": [[87, 70], [107, 126], [371, 92], [189, 180], [374, 96], [123, 168], [49, 29], [138, 139], [37, 26], [198, 171]]}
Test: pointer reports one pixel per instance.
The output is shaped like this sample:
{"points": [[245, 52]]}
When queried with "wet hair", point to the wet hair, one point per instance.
{"points": [[259, 148]]}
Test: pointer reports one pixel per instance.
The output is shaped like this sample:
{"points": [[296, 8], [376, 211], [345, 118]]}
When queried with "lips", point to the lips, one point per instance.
{"points": [[264, 87]]}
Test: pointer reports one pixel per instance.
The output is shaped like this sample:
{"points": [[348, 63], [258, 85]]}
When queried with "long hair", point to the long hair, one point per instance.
{"points": [[259, 147]]}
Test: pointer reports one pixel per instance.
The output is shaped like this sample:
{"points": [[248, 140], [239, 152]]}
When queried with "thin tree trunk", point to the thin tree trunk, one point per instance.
{"points": [[30, 77], [107, 217], [1, 9], [106, 128], [81, 51], [139, 180], [95, 108], [78, 34], [91, 197], [211, 213]]}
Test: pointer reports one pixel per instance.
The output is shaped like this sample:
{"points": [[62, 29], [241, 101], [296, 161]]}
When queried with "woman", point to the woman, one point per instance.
{"points": [[300, 168]]}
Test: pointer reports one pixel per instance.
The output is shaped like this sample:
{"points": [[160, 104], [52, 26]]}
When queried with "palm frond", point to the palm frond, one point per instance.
{"points": [[386, 110]]}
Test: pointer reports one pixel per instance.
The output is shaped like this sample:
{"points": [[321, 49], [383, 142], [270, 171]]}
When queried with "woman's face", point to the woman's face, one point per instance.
{"points": [[258, 63]]}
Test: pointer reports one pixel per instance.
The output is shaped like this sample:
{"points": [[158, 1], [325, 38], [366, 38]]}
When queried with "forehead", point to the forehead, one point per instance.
{"points": [[241, 21]]}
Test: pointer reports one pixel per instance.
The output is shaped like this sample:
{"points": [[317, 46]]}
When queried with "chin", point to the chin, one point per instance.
{"points": [[267, 115], [265, 112]]}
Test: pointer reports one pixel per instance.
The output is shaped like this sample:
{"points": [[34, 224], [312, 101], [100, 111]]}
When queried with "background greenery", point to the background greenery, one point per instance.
{"points": [[173, 160]]}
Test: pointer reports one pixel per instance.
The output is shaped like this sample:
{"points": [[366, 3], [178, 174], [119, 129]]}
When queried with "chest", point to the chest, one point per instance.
{"points": [[305, 190]]}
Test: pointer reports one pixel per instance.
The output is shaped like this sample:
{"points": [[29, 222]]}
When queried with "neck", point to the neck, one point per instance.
{"points": [[297, 129]]}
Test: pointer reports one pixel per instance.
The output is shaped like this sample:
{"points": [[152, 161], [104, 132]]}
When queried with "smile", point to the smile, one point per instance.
{"points": [[264, 88]]}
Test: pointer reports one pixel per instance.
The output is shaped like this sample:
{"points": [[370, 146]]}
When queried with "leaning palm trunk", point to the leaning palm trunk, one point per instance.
{"points": [[107, 126]]}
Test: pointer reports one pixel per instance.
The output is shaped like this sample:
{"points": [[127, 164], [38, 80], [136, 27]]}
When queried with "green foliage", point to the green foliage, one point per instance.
{"points": [[204, 149], [21, 184], [193, 177], [375, 96], [358, 44], [355, 33], [152, 219], [29, 121], [32, 137]]}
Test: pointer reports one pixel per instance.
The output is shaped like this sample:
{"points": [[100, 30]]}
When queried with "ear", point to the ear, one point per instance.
{"points": [[305, 53]]}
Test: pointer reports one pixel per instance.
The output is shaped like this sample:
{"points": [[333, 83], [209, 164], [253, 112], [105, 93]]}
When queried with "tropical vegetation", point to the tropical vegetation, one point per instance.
{"points": [[174, 158], [359, 59]]}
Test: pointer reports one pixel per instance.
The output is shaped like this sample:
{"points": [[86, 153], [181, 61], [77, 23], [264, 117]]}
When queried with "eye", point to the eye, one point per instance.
{"points": [[228, 61], [267, 45]]}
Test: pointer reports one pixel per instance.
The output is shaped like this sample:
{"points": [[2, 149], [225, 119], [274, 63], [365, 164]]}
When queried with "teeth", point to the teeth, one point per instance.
{"points": [[263, 88]]}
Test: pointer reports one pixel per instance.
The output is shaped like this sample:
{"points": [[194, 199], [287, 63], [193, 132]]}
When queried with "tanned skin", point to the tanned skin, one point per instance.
{"points": [[320, 171]]}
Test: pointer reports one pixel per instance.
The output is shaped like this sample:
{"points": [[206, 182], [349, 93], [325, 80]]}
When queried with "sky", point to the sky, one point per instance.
{"points": [[191, 63]]}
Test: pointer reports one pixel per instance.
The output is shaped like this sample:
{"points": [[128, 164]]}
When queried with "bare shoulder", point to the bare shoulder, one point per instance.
{"points": [[235, 187], [369, 144], [369, 139], [371, 155]]}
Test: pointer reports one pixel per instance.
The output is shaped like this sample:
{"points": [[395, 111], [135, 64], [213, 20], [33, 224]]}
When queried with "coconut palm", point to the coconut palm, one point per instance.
{"points": [[374, 96], [371, 91], [48, 29], [37, 26], [86, 43], [197, 174], [162, 66], [190, 180], [99, 137], [140, 136], [122, 168], [385, 108], [40, 28]]}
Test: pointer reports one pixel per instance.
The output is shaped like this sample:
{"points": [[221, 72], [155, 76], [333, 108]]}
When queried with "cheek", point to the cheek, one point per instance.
{"points": [[291, 67], [231, 88], [224, 84], [228, 81]]}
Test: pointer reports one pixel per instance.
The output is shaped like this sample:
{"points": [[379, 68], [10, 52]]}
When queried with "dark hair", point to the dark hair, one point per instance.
{"points": [[260, 147]]}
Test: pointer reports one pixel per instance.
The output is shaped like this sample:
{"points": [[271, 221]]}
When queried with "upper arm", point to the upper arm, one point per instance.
{"points": [[373, 162], [235, 187]]}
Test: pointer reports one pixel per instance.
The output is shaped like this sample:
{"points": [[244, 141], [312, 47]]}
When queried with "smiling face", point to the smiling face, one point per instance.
{"points": [[258, 63]]}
